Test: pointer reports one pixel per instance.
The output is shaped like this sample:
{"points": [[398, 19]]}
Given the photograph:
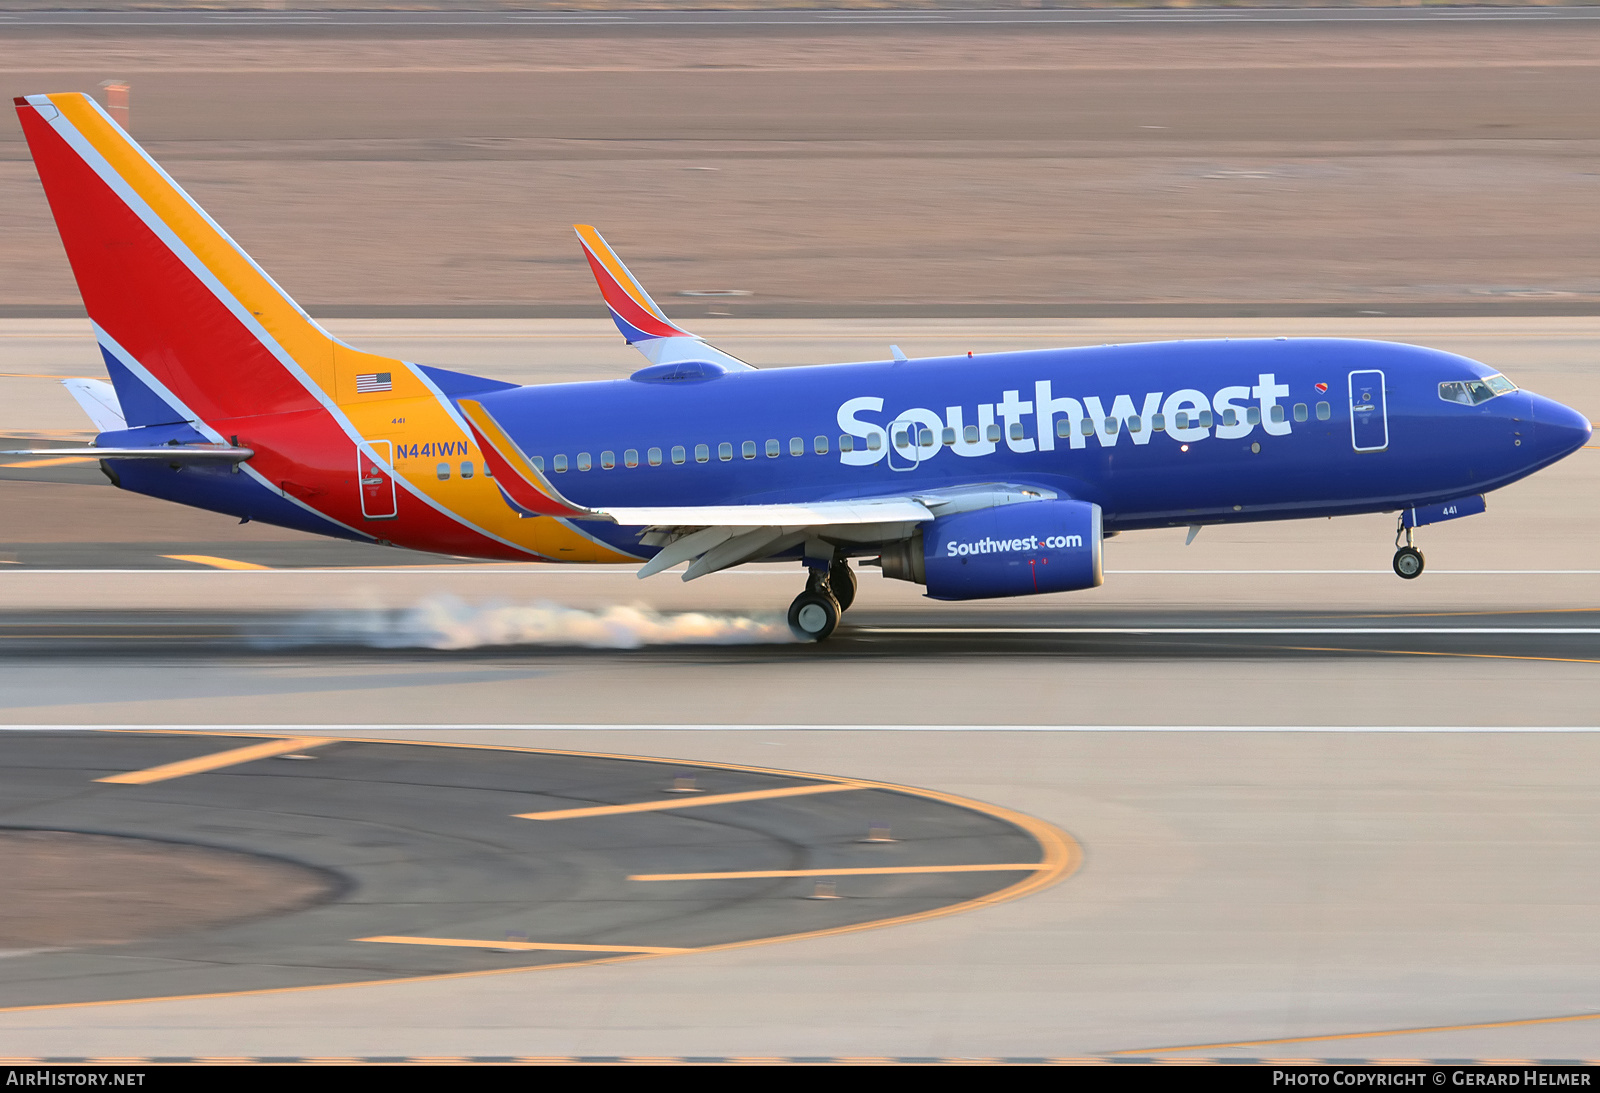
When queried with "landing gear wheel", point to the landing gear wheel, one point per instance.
{"points": [[813, 616], [842, 582], [1408, 563]]}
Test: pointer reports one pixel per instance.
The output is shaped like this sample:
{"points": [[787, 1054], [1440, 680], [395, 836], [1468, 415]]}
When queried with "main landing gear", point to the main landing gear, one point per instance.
{"points": [[815, 613], [1408, 560]]}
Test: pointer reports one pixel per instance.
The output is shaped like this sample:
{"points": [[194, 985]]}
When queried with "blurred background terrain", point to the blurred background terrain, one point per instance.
{"points": [[1183, 167]]}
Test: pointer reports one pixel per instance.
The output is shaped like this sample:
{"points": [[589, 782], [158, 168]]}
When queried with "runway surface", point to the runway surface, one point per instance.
{"points": [[269, 21], [463, 861], [1316, 803], [1405, 161]]}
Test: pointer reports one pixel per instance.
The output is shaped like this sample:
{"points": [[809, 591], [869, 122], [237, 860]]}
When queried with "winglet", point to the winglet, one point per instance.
{"points": [[632, 309], [523, 485]]}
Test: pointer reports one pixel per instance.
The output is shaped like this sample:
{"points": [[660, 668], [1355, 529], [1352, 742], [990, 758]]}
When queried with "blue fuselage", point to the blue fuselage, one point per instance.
{"points": [[1157, 434]]}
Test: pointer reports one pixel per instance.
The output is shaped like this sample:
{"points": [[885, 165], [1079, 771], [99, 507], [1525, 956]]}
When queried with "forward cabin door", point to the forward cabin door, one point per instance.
{"points": [[1369, 413], [377, 483]]}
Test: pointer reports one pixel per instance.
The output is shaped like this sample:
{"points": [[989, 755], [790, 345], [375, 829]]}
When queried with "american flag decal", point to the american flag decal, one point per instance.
{"points": [[374, 381]]}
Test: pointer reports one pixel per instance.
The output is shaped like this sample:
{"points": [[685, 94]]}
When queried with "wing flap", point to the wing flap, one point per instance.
{"points": [[880, 510]]}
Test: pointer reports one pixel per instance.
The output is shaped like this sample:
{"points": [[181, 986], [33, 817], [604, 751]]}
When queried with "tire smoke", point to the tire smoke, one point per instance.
{"points": [[447, 622]]}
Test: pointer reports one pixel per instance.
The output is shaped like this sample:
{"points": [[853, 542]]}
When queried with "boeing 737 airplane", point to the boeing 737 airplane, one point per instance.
{"points": [[975, 476]]}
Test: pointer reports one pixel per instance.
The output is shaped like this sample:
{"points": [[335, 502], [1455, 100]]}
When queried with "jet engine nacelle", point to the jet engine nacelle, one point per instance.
{"points": [[1010, 550]]}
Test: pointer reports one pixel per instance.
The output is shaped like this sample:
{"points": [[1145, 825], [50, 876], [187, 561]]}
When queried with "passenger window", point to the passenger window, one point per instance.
{"points": [[924, 438], [608, 460], [1300, 413], [538, 465], [1230, 417], [678, 455], [1086, 427], [561, 464], [772, 449], [1111, 426], [584, 462], [1016, 430], [948, 437], [1134, 424], [725, 451], [749, 448], [797, 446], [654, 456], [875, 442], [847, 443], [1158, 423], [1180, 420], [1324, 411], [1205, 419], [488, 471], [466, 469], [1252, 415], [444, 472], [1278, 415], [900, 438], [992, 434], [702, 453], [820, 445], [630, 458]]}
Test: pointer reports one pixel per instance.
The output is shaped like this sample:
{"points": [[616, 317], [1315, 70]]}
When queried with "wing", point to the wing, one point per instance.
{"points": [[642, 323], [713, 537]]}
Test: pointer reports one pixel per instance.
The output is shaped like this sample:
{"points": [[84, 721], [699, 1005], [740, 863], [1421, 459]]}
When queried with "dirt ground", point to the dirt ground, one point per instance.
{"points": [[66, 889], [1272, 166]]}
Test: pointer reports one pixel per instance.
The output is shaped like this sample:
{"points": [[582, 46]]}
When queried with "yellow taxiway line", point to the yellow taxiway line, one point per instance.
{"points": [[1062, 856], [216, 760], [58, 461], [689, 802], [214, 563], [756, 874], [473, 943], [1521, 1022]]}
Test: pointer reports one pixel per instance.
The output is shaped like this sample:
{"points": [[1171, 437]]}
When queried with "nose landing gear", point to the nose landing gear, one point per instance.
{"points": [[1408, 560], [815, 613]]}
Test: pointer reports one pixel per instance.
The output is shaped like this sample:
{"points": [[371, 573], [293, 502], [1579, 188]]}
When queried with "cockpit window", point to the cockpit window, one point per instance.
{"points": [[1472, 392]]}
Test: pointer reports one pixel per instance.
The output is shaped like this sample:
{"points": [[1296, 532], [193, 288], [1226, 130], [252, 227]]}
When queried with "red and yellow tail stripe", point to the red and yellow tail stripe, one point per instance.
{"points": [[208, 330]]}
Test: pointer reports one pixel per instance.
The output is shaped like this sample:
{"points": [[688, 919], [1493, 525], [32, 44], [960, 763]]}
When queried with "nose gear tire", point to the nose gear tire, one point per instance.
{"points": [[1408, 563], [813, 616]]}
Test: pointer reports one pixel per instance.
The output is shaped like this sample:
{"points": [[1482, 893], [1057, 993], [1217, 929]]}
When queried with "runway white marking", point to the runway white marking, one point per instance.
{"points": [[357, 731], [1213, 630]]}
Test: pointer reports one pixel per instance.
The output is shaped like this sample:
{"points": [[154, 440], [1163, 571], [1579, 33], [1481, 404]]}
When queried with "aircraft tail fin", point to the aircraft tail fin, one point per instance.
{"points": [[191, 328]]}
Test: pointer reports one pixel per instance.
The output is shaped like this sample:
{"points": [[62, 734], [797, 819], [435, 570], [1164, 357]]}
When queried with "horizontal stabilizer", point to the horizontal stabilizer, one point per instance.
{"points": [[99, 400], [167, 453]]}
